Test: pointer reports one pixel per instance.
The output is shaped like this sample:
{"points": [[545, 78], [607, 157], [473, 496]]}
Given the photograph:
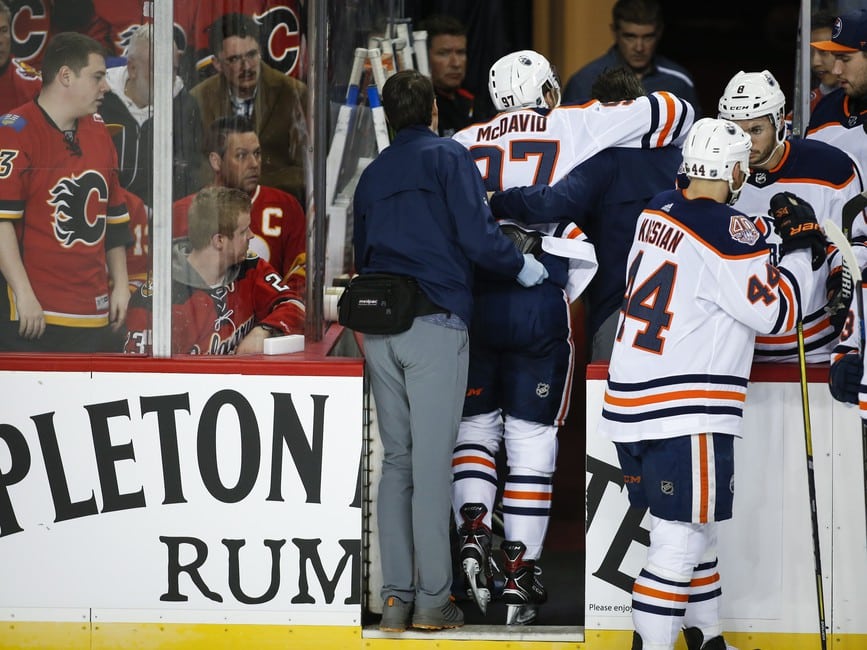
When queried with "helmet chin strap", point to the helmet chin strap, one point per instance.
{"points": [[734, 194], [770, 155]]}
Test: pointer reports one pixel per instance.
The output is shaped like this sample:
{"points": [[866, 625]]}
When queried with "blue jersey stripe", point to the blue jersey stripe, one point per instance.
{"points": [[671, 412]]}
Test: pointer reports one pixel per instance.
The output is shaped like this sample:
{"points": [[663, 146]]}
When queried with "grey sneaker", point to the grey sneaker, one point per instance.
{"points": [[395, 615], [438, 618]]}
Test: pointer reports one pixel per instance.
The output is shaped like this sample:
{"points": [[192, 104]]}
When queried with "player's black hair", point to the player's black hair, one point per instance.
{"points": [[218, 132], [69, 49], [408, 98], [640, 12], [616, 85], [240, 25], [439, 24]]}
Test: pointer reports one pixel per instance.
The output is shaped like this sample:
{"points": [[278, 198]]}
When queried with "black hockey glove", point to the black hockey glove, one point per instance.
{"points": [[844, 379], [795, 223], [839, 299]]}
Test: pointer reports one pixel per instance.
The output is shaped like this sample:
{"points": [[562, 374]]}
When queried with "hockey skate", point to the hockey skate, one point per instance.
{"points": [[475, 540], [523, 592], [695, 641]]}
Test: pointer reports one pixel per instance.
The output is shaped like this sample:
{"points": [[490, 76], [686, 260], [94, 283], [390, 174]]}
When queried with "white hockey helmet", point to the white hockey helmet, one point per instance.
{"points": [[750, 95], [521, 80], [711, 150]]}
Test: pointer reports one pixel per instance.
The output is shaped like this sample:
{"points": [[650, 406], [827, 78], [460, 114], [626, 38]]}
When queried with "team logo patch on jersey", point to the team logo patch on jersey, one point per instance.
{"points": [[743, 230], [26, 71], [543, 389], [15, 121], [80, 205]]}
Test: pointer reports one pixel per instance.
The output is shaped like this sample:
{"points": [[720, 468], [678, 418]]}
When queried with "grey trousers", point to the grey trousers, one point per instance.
{"points": [[418, 379]]}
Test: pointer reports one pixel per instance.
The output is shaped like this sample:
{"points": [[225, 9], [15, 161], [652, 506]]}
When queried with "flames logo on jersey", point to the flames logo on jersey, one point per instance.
{"points": [[80, 208], [30, 25], [743, 230], [125, 37], [281, 39], [26, 71]]}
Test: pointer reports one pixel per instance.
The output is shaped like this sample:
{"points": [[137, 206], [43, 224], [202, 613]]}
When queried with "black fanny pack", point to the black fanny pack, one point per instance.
{"points": [[382, 303]]}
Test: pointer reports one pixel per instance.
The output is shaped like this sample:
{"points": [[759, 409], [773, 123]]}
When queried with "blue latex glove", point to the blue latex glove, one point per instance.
{"points": [[845, 378], [533, 272]]}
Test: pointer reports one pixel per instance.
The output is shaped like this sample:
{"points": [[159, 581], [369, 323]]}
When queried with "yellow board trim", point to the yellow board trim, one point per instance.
{"points": [[177, 636]]}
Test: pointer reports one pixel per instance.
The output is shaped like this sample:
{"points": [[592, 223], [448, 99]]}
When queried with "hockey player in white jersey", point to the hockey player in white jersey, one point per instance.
{"points": [[700, 284], [822, 175], [520, 372], [523, 145]]}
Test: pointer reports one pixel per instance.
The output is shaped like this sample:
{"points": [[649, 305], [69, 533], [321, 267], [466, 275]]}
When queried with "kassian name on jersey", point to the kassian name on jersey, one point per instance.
{"points": [[660, 234], [515, 123]]}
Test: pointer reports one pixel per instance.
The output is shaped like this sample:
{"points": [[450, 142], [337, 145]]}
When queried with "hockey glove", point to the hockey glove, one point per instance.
{"points": [[533, 272], [839, 299], [844, 379], [795, 223]]}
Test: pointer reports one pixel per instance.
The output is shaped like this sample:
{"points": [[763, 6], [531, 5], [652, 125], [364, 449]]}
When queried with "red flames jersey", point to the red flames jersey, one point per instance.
{"points": [[110, 23], [19, 83], [281, 32], [277, 221], [65, 201], [138, 259], [114, 21], [215, 321]]}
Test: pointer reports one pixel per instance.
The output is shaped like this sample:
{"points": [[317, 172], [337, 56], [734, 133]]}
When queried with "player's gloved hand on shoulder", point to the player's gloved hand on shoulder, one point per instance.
{"points": [[795, 223], [839, 298], [533, 272], [844, 379]]}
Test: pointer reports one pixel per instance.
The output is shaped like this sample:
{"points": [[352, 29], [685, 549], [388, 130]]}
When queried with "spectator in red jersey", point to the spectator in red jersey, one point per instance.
{"points": [[19, 83], [278, 222], [63, 222], [447, 56], [225, 300], [274, 102]]}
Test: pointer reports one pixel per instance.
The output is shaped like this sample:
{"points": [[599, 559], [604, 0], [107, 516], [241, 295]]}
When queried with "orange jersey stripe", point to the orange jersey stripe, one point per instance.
{"points": [[527, 496], [703, 582], [674, 395], [657, 593], [477, 460], [704, 489], [822, 324], [669, 102]]}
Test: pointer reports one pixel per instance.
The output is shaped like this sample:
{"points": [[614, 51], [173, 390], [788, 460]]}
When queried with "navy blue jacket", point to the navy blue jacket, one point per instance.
{"points": [[665, 75], [420, 209], [603, 196]]}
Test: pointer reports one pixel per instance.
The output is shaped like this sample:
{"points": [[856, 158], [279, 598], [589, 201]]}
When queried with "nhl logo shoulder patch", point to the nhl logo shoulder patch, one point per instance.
{"points": [[743, 230]]}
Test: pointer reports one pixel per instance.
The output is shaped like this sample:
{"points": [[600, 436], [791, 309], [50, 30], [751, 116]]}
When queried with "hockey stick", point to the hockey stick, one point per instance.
{"points": [[419, 47], [341, 129], [811, 483], [851, 268], [374, 93], [850, 211]]}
